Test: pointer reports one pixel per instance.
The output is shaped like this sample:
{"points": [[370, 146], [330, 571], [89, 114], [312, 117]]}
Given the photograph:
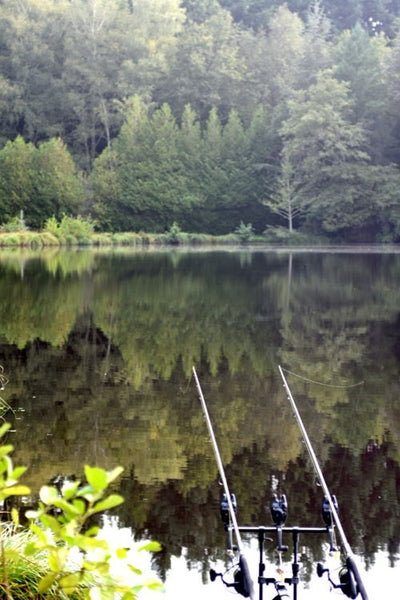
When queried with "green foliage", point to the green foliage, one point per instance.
{"points": [[9, 475], [14, 224], [158, 171], [52, 226], [207, 69], [37, 181], [105, 191], [282, 235], [244, 232], [192, 66], [28, 239], [58, 189], [330, 180], [59, 536], [361, 61], [71, 230], [174, 233], [9, 240], [63, 556], [16, 178]]}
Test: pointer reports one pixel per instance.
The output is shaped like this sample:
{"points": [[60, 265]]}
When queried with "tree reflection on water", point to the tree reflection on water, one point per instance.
{"points": [[98, 349]]}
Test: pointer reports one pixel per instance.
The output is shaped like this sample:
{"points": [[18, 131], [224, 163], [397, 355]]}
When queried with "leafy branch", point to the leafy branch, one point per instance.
{"points": [[62, 554]]}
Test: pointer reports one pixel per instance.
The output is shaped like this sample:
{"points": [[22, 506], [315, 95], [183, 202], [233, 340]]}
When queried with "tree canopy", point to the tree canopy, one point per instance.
{"points": [[222, 88]]}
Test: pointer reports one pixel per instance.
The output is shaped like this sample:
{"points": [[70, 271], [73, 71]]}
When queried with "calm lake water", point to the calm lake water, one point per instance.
{"points": [[98, 349]]}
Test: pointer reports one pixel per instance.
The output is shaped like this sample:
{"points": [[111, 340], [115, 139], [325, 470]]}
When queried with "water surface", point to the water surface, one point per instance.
{"points": [[98, 349]]}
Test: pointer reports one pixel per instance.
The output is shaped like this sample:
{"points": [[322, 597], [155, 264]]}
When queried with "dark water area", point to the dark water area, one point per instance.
{"points": [[98, 349]]}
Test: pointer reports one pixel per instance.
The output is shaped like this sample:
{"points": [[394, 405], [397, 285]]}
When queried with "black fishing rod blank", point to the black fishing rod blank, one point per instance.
{"points": [[349, 586], [243, 583]]}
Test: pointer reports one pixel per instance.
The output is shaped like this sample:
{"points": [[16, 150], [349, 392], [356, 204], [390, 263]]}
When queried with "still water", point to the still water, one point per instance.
{"points": [[98, 349]]}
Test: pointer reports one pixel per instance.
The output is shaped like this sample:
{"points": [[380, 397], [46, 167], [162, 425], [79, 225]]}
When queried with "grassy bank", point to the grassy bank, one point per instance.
{"points": [[76, 231], [31, 239]]}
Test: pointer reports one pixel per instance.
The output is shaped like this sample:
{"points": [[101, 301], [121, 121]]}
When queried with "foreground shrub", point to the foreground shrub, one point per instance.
{"points": [[61, 555], [78, 561]]}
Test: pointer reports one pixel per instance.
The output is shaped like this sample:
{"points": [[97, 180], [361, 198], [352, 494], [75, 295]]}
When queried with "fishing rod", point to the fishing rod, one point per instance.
{"points": [[351, 581], [243, 583]]}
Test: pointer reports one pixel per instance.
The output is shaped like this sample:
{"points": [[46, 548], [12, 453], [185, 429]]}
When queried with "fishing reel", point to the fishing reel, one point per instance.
{"points": [[238, 583], [347, 582], [241, 577]]}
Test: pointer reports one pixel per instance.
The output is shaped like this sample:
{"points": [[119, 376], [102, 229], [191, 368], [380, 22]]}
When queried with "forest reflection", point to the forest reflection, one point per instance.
{"points": [[98, 348]]}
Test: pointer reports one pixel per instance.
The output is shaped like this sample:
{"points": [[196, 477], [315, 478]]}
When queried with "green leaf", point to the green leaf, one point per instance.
{"points": [[135, 570], [4, 450], [54, 561], [48, 494], [68, 508], [30, 549], [13, 556], [70, 582], [92, 531], [155, 585], [96, 477], [151, 547], [4, 428], [46, 583], [121, 553], [16, 490], [109, 502], [129, 596], [86, 492], [15, 516], [50, 522], [18, 472], [69, 489], [80, 505], [90, 543], [112, 475]]}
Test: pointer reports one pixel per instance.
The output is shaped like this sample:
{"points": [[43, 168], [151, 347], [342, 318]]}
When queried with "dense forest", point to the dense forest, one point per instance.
{"points": [[141, 113]]}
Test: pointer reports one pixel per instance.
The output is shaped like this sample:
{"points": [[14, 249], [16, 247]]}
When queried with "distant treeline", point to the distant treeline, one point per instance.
{"points": [[208, 114]]}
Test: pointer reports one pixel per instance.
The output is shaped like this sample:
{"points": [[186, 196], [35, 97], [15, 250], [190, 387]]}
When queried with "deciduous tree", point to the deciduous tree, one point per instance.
{"points": [[326, 153], [207, 70], [16, 178], [362, 62]]}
